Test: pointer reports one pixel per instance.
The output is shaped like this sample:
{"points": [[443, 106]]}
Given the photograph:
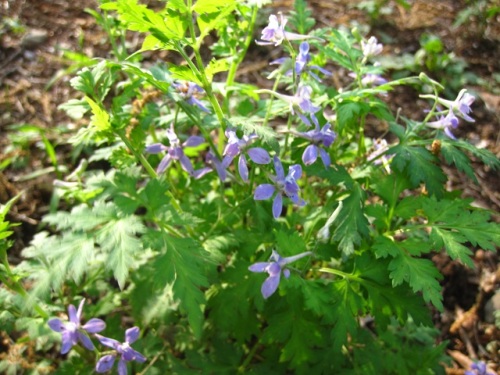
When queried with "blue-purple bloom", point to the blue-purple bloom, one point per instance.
{"points": [[282, 185], [301, 63], [446, 123], [214, 163], [461, 105], [378, 155], [124, 350], [236, 146], [274, 267], [371, 47], [479, 368], [302, 101], [190, 92], [175, 151], [320, 139], [274, 32], [72, 331]]}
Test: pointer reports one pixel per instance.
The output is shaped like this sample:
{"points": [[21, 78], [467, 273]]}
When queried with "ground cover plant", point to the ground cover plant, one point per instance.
{"points": [[241, 229]]}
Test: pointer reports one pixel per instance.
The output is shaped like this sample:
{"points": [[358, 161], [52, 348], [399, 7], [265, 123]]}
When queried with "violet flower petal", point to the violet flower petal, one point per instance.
{"points": [[186, 164], [259, 155], [67, 341], [277, 205], [278, 167], [270, 285], [106, 341], [194, 141], [259, 267], [105, 363], [310, 154], [56, 325], [94, 325], [164, 163], [122, 367], [79, 311], [73, 315], [242, 168], [132, 334], [263, 192], [85, 340], [156, 148]]}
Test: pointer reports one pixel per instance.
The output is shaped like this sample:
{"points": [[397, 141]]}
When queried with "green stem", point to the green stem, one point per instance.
{"points": [[270, 105], [237, 61], [361, 140], [344, 275], [249, 357], [138, 155]]}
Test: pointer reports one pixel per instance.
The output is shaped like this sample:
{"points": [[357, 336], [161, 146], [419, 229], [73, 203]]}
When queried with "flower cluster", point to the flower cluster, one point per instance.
{"points": [[274, 268], [460, 107], [73, 332], [175, 151], [274, 32], [236, 146], [281, 185], [190, 92], [479, 368]]}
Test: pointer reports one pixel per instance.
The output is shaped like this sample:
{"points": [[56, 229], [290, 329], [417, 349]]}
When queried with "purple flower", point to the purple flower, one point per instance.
{"points": [[301, 62], [461, 105], [190, 92], [287, 185], [378, 155], [302, 100], [274, 268], [72, 331], [371, 48], [236, 146], [175, 151], [445, 123], [324, 138], [371, 79], [479, 368], [214, 164], [125, 351], [274, 32]]}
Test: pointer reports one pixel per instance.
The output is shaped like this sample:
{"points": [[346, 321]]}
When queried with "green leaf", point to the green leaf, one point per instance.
{"points": [[216, 66], [290, 243], [351, 222], [421, 274], [452, 242], [180, 264], [210, 6], [486, 156], [301, 17], [183, 73], [118, 238], [209, 21], [455, 222], [75, 108], [386, 301], [347, 307], [348, 114], [389, 187], [453, 155], [100, 118], [419, 165]]}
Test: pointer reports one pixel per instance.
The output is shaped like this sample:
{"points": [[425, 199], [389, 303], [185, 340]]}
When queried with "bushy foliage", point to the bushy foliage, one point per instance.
{"points": [[247, 229]]}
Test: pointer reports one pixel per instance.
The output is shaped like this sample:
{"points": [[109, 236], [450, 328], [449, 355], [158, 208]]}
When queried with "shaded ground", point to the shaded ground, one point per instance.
{"points": [[32, 58]]}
